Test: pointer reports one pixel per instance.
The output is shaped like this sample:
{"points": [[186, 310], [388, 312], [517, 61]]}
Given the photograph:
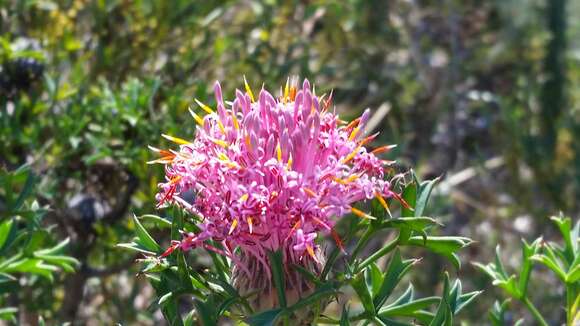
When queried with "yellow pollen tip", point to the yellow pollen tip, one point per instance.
{"points": [[311, 252], [368, 139], [175, 180], [294, 228], [232, 165], [226, 160], [309, 192], [286, 89], [352, 178], [353, 123], [289, 165], [279, 152], [248, 90], [347, 180], [244, 197], [383, 202], [220, 142], [354, 133], [235, 121], [351, 155], [342, 182], [160, 161], [361, 214], [233, 227], [383, 149], [221, 126], [196, 117], [250, 225], [293, 92], [203, 106], [248, 143], [176, 140], [223, 157], [155, 149]]}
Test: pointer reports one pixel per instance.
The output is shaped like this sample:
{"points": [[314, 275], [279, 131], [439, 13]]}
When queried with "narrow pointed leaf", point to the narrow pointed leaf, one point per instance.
{"points": [[144, 238], [396, 270], [278, 275], [266, 318], [423, 197], [359, 284]]}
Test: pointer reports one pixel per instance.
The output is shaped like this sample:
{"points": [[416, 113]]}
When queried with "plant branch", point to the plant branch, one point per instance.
{"points": [[361, 243], [537, 315], [383, 251]]}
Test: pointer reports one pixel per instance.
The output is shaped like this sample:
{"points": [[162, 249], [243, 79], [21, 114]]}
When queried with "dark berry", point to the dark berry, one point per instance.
{"points": [[19, 74]]}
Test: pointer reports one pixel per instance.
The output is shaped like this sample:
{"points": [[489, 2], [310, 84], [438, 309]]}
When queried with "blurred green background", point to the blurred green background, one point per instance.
{"points": [[485, 93]]}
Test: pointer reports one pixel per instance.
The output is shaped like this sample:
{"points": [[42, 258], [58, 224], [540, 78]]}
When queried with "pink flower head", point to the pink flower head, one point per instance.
{"points": [[271, 173]]}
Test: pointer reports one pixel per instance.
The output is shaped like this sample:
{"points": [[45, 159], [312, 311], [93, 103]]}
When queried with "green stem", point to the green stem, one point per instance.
{"points": [[534, 311], [329, 263], [330, 321], [378, 321], [570, 300], [361, 243], [325, 320], [335, 252], [383, 251]]}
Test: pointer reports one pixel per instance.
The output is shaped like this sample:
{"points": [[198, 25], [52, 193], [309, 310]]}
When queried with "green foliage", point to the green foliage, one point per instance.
{"points": [[28, 252], [278, 276], [563, 261], [143, 242]]}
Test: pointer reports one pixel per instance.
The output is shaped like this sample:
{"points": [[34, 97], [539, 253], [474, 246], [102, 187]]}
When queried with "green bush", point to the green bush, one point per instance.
{"points": [[30, 255]]}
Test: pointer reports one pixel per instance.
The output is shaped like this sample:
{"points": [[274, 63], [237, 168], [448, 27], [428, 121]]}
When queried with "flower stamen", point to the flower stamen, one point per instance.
{"points": [[328, 101], [383, 149], [351, 155], [279, 152], [309, 192], [220, 142], [353, 123], [337, 240], [197, 118], [311, 252], [353, 134], [235, 121], [250, 224], [176, 140], [203, 106], [221, 126], [383, 202], [286, 90], [249, 90], [368, 139], [362, 214], [294, 228], [248, 143], [233, 227]]}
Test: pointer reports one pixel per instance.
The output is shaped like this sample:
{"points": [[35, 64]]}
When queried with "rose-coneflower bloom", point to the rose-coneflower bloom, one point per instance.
{"points": [[269, 174]]}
